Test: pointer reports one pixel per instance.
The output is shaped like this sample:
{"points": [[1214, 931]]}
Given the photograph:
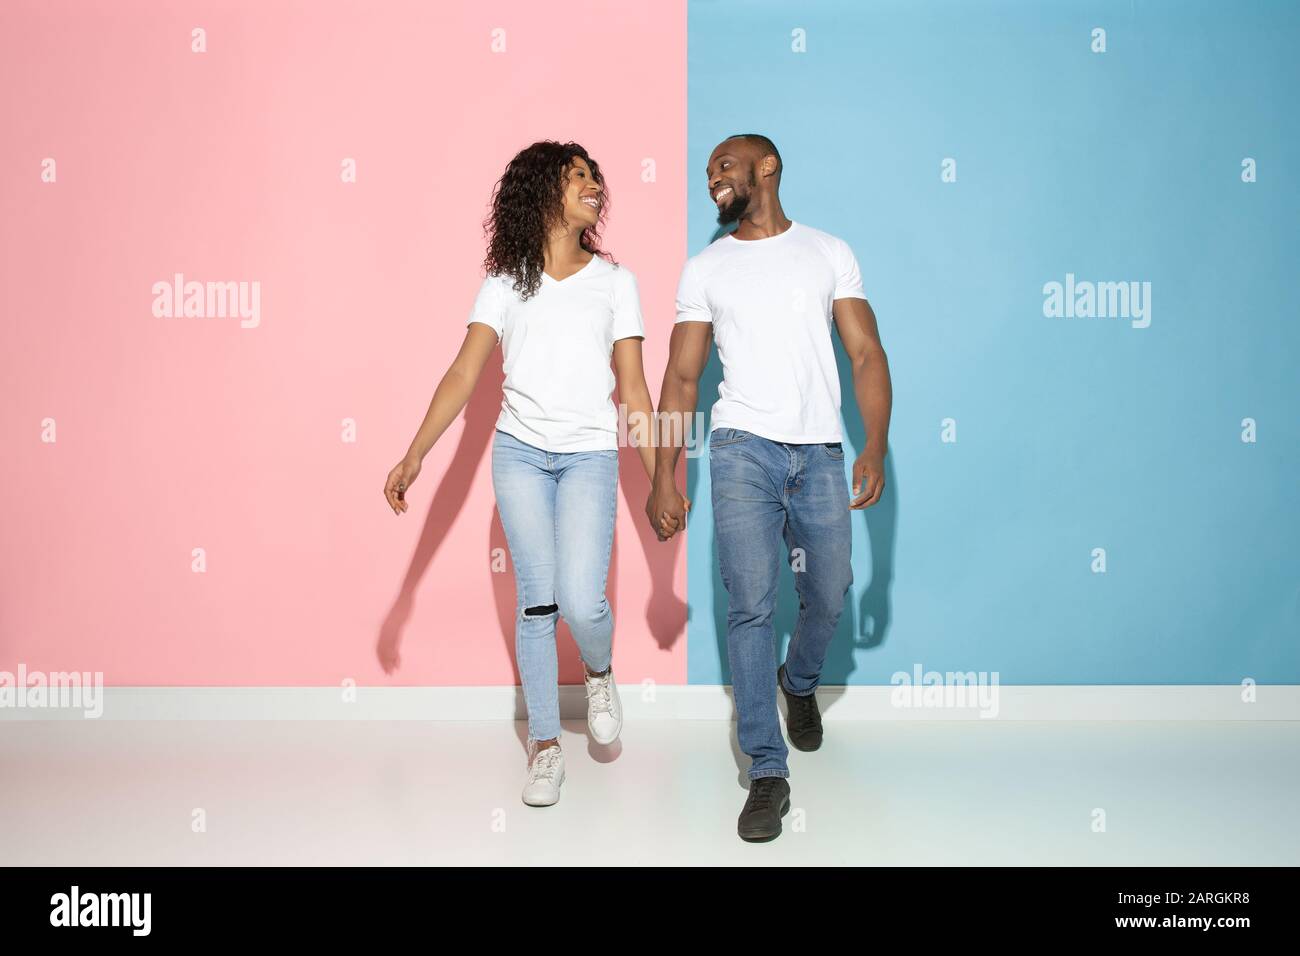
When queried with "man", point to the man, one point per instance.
{"points": [[767, 293]]}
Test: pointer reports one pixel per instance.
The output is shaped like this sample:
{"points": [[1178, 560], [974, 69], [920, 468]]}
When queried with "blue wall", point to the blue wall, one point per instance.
{"points": [[1072, 433]]}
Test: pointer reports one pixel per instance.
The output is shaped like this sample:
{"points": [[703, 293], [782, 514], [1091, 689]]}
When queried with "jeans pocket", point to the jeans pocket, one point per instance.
{"points": [[834, 449], [722, 437]]}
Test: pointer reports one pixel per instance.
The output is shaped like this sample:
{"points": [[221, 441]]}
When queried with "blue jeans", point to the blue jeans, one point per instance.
{"points": [[765, 491], [557, 509]]}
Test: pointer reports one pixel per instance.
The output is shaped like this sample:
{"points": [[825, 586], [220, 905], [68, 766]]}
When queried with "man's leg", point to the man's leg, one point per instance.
{"points": [[818, 526], [748, 475]]}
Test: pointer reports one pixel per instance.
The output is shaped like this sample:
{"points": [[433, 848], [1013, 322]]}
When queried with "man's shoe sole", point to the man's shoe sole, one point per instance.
{"points": [[753, 837]]}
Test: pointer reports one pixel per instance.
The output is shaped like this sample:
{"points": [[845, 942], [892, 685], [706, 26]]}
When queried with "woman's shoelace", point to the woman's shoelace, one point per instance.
{"points": [[598, 694], [544, 764]]}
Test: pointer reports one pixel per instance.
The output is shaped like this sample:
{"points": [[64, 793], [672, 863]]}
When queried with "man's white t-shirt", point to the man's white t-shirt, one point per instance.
{"points": [[770, 304], [556, 349]]}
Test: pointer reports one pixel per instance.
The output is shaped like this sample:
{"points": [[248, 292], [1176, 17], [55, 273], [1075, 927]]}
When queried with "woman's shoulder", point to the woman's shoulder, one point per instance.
{"points": [[618, 273], [500, 286]]}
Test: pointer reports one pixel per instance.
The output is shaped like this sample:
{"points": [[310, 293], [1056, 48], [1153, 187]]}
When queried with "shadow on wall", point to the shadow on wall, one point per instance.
{"points": [[664, 615], [865, 621]]}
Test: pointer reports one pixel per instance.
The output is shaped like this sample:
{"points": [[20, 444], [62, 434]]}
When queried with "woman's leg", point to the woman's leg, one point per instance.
{"points": [[585, 505], [525, 487]]}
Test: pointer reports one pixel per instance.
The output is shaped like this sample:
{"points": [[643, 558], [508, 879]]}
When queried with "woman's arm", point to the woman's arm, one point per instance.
{"points": [[457, 385], [634, 394], [449, 400]]}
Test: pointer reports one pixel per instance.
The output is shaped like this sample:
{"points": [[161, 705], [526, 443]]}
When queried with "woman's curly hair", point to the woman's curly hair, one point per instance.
{"points": [[526, 201]]}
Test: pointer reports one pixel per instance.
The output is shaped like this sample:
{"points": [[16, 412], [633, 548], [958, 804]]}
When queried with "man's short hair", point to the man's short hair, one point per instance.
{"points": [[764, 144]]}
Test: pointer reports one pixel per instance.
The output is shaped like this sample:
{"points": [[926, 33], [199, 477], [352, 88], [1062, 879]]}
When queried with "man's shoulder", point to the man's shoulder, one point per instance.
{"points": [[704, 261], [821, 236]]}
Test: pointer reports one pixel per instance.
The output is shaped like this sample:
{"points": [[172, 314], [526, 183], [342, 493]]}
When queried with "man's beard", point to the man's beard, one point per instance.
{"points": [[733, 210]]}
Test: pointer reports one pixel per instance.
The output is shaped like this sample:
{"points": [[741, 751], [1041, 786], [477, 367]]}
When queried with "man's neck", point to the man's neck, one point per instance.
{"points": [[767, 220]]}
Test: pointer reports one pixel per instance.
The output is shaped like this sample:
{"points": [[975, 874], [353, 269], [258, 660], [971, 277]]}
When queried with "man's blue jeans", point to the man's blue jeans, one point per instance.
{"points": [[765, 492], [557, 509]]}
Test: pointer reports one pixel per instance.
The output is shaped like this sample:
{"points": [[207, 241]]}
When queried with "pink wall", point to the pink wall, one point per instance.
{"points": [[183, 433]]}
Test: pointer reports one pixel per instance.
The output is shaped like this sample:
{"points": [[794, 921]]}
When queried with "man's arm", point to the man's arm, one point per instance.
{"points": [[856, 323], [688, 353]]}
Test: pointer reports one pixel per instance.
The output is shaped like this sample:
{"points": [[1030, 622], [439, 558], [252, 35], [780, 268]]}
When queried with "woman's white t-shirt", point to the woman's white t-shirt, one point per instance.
{"points": [[556, 350]]}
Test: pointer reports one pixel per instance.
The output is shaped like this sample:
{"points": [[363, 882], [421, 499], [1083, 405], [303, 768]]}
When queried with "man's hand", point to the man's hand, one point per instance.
{"points": [[666, 508], [868, 480]]}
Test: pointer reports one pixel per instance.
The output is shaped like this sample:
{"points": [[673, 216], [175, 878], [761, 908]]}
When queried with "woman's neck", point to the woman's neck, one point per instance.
{"points": [[564, 249]]}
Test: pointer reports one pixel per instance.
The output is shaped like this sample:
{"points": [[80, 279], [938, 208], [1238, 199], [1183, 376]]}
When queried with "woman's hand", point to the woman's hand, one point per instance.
{"points": [[666, 508], [449, 400], [399, 482]]}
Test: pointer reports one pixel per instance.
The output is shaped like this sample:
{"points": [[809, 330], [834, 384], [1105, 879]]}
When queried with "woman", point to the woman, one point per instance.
{"points": [[560, 308]]}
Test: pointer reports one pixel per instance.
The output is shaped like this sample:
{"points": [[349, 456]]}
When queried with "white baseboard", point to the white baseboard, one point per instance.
{"points": [[670, 702]]}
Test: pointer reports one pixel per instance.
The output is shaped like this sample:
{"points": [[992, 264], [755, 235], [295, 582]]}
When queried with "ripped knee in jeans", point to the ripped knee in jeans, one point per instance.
{"points": [[541, 610]]}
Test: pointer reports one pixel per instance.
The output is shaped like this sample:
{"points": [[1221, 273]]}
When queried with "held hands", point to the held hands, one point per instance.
{"points": [[666, 508], [399, 481]]}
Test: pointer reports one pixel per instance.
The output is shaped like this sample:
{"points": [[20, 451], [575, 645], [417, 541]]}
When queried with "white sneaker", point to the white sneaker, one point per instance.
{"points": [[545, 774], [604, 709]]}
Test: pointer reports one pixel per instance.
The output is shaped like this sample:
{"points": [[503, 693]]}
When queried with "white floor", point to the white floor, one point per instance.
{"points": [[878, 792]]}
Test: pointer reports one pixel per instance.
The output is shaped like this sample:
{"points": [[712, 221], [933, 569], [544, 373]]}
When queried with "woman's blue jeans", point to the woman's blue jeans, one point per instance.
{"points": [[557, 509]]}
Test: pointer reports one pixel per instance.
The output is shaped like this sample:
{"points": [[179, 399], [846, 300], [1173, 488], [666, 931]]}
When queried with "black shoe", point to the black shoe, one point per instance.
{"points": [[768, 802], [803, 721]]}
